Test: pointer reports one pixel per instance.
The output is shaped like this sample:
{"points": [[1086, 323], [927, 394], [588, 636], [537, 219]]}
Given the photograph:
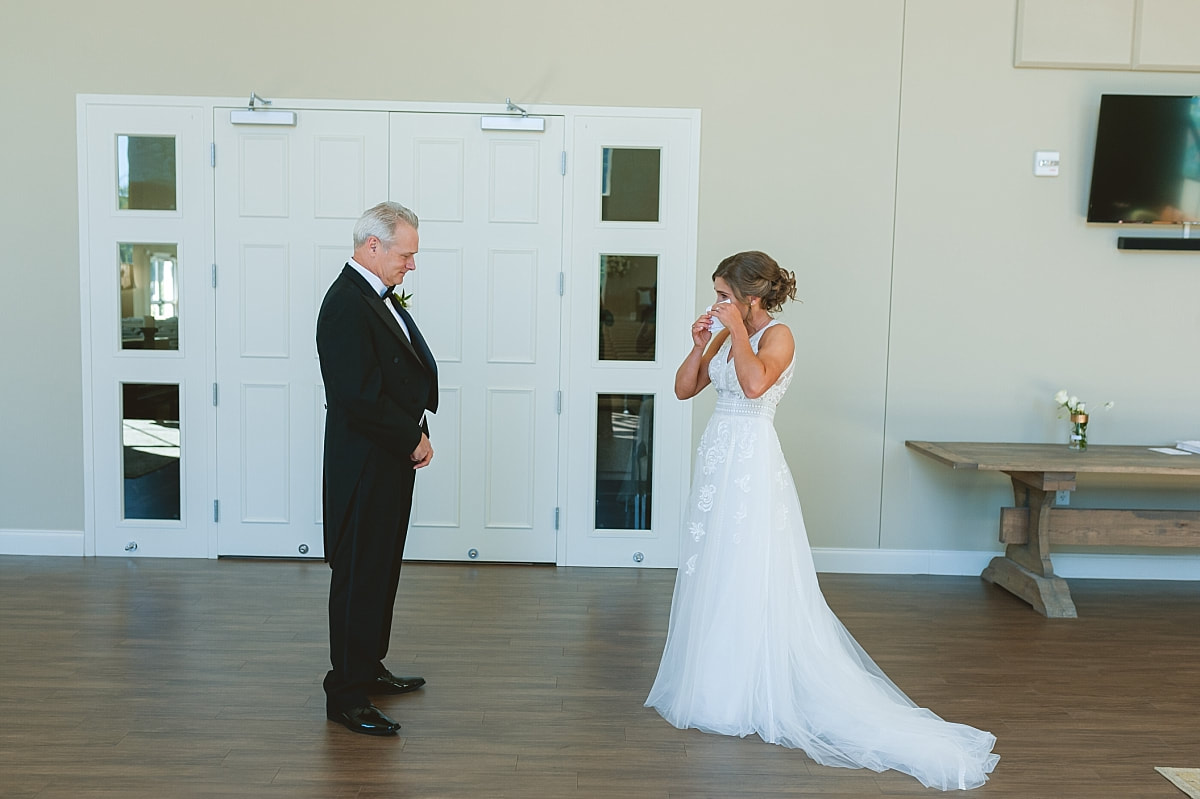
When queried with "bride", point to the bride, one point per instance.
{"points": [[752, 647]]}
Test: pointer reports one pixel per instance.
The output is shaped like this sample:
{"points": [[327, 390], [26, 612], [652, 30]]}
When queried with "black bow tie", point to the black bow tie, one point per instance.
{"points": [[387, 292]]}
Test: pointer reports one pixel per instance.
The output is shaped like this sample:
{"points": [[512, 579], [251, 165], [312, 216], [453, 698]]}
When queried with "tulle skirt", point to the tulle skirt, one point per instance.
{"points": [[752, 646]]}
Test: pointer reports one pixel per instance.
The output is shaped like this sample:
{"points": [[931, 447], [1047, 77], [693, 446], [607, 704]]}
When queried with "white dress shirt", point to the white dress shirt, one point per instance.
{"points": [[379, 287]]}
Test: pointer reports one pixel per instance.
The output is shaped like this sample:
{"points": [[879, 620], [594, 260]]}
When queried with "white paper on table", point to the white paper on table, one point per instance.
{"points": [[1170, 451]]}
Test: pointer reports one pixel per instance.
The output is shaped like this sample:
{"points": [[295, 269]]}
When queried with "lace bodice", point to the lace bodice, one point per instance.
{"points": [[724, 377]]}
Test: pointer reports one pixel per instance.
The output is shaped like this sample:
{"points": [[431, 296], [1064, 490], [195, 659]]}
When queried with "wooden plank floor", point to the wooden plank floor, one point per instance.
{"points": [[152, 678]]}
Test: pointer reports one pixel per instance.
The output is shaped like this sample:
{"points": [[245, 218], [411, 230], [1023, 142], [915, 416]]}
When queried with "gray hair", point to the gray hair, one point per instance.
{"points": [[380, 222]]}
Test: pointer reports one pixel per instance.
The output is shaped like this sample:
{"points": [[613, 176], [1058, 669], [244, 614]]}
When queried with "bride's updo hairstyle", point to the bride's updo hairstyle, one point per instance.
{"points": [[756, 274]]}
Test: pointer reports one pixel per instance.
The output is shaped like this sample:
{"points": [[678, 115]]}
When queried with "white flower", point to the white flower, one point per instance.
{"points": [[706, 497], [697, 530], [691, 564], [1072, 405]]}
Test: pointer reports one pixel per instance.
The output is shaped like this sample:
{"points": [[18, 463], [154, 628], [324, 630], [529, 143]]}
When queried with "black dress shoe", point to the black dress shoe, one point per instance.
{"points": [[368, 719], [388, 683]]}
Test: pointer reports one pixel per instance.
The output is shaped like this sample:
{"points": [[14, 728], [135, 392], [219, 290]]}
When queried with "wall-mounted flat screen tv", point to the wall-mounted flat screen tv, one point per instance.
{"points": [[1147, 165]]}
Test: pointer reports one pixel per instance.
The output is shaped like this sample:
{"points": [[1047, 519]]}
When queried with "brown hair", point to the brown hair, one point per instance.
{"points": [[756, 274]]}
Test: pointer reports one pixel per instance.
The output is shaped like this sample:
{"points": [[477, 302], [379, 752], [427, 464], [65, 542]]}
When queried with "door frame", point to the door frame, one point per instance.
{"points": [[571, 406]]}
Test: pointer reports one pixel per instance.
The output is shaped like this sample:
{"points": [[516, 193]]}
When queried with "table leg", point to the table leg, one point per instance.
{"points": [[1025, 569]]}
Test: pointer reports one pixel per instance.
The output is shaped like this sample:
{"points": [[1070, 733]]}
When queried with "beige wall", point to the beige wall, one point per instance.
{"points": [[1003, 294], [880, 149]]}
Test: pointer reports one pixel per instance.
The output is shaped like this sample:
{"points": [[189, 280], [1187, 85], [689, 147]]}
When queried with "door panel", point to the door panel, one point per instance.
{"points": [[486, 296], [286, 203], [633, 230], [146, 342]]}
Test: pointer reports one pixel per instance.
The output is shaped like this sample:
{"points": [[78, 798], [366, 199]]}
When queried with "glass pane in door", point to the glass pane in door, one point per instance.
{"points": [[150, 450], [146, 173], [624, 461], [149, 275], [629, 184], [628, 307]]}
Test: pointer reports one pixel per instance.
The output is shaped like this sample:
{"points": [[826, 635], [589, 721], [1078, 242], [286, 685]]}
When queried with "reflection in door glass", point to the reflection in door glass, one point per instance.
{"points": [[628, 307], [624, 461], [149, 275], [146, 173], [629, 184], [150, 450]]}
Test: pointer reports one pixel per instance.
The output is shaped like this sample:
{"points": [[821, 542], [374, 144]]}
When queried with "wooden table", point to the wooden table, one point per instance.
{"points": [[1038, 471]]}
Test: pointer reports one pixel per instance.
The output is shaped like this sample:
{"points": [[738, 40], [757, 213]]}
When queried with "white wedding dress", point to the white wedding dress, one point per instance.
{"points": [[753, 648]]}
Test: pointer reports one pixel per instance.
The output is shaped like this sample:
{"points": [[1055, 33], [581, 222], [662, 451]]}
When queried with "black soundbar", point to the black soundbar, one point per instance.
{"points": [[1156, 243]]}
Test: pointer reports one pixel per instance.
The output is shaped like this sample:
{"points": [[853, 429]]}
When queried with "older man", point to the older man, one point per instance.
{"points": [[380, 380]]}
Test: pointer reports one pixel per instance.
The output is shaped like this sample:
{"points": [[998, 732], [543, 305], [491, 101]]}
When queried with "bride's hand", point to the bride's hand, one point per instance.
{"points": [[727, 314], [701, 335]]}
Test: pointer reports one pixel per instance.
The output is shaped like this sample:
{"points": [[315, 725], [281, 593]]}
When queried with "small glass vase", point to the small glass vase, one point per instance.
{"points": [[1078, 436]]}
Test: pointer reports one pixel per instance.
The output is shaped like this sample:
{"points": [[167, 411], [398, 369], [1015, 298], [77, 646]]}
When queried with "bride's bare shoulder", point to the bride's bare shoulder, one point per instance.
{"points": [[778, 332]]}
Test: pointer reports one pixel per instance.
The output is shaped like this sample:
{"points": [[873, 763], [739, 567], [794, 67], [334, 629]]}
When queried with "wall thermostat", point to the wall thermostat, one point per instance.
{"points": [[1045, 163]]}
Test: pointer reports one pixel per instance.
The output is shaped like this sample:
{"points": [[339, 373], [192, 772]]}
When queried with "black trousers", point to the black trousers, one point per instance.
{"points": [[362, 590]]}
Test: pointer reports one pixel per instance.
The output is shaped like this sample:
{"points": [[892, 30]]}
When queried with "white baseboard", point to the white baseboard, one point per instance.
{"points": [[1128, 567], [41, 542], [952, 562], [827, 559]]}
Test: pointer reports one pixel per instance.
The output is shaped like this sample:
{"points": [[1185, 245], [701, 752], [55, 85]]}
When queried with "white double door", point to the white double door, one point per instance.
{"points": [[485, 294]]}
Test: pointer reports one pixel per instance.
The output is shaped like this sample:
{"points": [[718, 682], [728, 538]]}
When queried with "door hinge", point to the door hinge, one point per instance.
{"points": [[214, 395], [212, 153], [216, 511], [562, 283], [563, 163], [558, 403], [556, 518], [214, 276]]}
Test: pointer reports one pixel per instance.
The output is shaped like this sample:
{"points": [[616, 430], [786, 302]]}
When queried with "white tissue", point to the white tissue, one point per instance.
{"points": [[716, 326]]}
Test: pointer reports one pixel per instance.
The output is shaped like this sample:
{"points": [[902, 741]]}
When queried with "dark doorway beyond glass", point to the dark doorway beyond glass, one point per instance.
{"points": [[150, 450], [624, 461]]}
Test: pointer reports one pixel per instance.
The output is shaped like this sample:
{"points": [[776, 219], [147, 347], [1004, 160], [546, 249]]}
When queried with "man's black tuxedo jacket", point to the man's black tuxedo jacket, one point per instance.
{"points": [[377, 389]]}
